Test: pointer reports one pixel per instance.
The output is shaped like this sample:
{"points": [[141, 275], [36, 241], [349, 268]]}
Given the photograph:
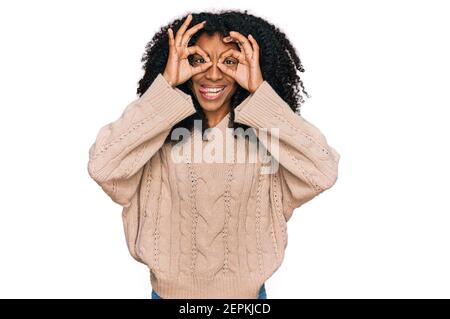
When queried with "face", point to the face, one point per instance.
{"points": [[205, 84]]}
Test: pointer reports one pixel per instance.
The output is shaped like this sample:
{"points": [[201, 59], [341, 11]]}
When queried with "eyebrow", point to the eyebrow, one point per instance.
{"points": [[209, 54], [219, 53]]}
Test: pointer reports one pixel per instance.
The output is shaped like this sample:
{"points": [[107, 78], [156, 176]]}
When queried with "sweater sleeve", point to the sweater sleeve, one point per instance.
{"points": [[123, 147], [307, 164]]}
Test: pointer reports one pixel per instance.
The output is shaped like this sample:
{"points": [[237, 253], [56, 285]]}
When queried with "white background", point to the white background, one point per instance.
{"points": [[378, 73]]}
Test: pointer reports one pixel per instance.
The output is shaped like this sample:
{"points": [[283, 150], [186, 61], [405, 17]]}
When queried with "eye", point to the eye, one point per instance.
{"points": [[197, 60], [230, 60]]}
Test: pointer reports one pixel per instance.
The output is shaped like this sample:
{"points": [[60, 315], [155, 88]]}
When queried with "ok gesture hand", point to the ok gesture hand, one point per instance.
{"points": [[178, 69], [248, 72]]}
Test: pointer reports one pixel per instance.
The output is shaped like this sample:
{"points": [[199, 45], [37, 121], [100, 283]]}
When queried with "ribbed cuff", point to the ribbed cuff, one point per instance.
{"points": [[262, 108], [171, 104], [266, 109]]}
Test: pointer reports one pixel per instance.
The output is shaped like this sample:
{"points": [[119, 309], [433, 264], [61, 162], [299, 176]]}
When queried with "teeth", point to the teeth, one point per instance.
{"points": [[215, 90], [212, 94]]}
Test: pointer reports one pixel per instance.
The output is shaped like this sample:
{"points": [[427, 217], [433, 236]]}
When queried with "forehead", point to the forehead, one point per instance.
{"points": [[213, 44]]}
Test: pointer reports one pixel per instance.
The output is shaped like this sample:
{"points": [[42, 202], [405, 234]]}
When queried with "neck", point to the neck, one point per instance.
{"points": [[214, 117]]}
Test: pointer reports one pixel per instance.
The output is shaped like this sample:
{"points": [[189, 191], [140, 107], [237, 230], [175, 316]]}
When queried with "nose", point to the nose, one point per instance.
{"points": [[213, 73]]}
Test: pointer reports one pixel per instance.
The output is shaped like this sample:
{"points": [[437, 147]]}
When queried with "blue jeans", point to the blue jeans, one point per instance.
{"points": [[262, 293]]}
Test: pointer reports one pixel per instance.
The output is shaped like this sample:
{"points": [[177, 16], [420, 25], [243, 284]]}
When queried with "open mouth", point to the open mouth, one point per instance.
{"points": [[211, 93]]}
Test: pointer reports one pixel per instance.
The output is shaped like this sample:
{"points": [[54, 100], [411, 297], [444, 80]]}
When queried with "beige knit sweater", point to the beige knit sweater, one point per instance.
{"points": [[209, 230]]}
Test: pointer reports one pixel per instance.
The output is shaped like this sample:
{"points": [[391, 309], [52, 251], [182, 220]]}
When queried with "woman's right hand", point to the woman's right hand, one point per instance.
{"points": [[178, 69]]}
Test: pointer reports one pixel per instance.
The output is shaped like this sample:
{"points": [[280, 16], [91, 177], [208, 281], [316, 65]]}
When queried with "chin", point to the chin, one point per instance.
{"points": [[211, 106]]}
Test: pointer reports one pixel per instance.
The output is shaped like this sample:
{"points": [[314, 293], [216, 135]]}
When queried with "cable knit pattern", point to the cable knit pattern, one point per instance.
{"points": [[227, 208], [275, 193], [194, 180], [208, 230], [258, 223]]}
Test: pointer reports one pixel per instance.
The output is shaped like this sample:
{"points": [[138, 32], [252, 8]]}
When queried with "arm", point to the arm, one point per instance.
{"points": [[123, 147], [307, 164]]}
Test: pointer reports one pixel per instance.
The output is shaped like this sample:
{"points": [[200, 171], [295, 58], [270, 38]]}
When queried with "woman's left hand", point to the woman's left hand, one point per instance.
{"points": [[248, 72]]}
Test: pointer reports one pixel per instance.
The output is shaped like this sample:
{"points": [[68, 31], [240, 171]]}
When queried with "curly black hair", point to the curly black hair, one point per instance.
{"points": [[279, 60]]}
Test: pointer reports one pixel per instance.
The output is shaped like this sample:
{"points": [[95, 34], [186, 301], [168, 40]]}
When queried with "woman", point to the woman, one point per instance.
{"points": [[213, 229]]}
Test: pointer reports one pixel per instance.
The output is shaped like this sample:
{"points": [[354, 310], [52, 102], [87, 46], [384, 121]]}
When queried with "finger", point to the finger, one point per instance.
{"points": [[182, 29], [255, 47], [201, 68], [189, 33], [233, 53], [228, 71], [171, 39], [244, 42], [196, 49], [230, 39]]}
